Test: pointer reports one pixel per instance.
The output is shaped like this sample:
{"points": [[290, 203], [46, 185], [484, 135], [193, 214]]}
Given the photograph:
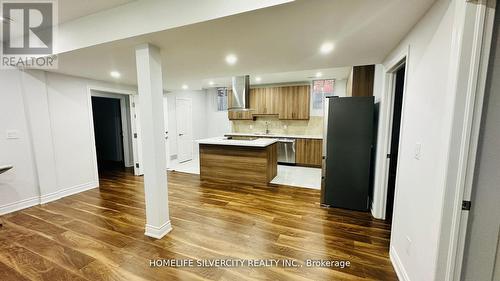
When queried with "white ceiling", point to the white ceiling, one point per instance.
{"points": [[338, 73], [279, 39], [73, 9]]}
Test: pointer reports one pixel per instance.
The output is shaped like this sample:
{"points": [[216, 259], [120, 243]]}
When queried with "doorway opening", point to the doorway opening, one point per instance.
{"points": [[108, 133], [398, 86]]}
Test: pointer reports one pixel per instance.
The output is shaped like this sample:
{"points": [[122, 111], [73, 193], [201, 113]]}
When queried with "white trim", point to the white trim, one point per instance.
{"points": [[158, 232], [476, 32], [398, 265], [19, 205], [128, 157], [384, 132], [44, 199], [135, 116], [190, 125], [91, 88], [92, 135]]}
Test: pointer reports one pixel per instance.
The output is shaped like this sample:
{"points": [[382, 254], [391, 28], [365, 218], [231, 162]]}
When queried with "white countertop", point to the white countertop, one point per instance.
{"points": [[274, 136], [262, 142]]}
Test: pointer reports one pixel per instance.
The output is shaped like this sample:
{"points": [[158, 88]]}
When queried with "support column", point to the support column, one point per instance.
{"points": [[150, 85]]}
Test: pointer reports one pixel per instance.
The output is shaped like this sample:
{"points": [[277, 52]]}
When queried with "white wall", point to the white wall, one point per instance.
{"points": [[71, 130], [54, 155], [19, 186], [378, 84], [427, 117], [218, 122]]}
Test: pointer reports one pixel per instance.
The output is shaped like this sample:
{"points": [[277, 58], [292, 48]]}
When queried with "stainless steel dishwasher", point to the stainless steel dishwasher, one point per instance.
{"points": [[286, 151]]}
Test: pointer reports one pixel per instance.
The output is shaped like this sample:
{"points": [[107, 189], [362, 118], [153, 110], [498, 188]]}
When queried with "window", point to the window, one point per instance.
{"points": [[321, 89], [221, 99]]}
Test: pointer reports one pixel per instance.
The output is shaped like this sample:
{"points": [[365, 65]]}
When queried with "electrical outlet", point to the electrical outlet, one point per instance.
{"points": [[12, 134], [418, 151], [408, 245], [251, 127]]}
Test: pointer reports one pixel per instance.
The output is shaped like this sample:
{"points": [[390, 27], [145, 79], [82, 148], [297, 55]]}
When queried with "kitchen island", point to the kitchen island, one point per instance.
{"points": [[239, 161]]}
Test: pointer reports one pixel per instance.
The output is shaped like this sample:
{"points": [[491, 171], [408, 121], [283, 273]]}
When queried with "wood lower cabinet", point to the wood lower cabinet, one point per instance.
{"points": [[309, 152]]}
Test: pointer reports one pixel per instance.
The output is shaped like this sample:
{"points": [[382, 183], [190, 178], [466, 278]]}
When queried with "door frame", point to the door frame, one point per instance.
{"points": [[476, 30], [166, 129], [128, 159], [127, 123], [177, 125], [386, 119]]}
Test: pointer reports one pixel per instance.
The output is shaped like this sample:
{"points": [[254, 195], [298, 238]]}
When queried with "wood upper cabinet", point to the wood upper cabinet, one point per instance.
{"points": [[361, 81], [237, 115], [288, 102], [309, 152], [293, 102], [263, 101]]}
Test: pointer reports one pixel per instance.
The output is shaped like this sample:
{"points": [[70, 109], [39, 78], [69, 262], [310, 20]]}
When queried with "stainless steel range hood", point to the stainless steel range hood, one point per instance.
{"points": [[240, 94]]}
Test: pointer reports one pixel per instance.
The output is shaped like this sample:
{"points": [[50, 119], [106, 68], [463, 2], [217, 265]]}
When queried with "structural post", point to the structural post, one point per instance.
{"points": [[150, 86]]}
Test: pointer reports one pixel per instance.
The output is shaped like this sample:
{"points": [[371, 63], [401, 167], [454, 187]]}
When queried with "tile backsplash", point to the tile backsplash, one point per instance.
{"points": [[313, 126]]}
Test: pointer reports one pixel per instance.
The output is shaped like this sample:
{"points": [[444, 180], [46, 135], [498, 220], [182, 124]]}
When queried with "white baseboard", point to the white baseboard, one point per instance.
{"points": [[398, 265], [78, 188], [19, 205], [158, 232], [67, 192], [43, 199]]}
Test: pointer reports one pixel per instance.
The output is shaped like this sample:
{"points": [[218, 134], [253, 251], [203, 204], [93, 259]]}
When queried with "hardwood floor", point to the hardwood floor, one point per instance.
{"points": [[99, 234]]}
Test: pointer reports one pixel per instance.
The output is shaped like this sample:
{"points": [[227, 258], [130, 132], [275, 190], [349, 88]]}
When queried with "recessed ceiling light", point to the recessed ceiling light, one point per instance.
{"points": [[258, 79], [326, 48], [115, 74], [211, 83], [319, 74], [231, 59], [185, 87]]}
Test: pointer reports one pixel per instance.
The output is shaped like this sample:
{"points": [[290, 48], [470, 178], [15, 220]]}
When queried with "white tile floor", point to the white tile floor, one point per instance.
{"points": [[298, 176], [287, 175]]}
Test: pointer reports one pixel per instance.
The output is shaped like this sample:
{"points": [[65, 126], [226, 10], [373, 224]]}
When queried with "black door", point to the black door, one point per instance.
{"points": [[396, 129], [108, 132]]}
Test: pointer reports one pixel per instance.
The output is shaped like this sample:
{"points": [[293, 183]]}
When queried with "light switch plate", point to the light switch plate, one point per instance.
{"points": [[12, 134], [418, 151]]}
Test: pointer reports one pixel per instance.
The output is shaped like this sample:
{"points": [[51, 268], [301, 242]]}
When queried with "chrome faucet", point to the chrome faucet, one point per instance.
{"points": [[267, 128]]}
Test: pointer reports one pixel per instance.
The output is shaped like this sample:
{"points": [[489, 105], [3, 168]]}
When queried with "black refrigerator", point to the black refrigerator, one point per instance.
{"points": [[348, 145]]}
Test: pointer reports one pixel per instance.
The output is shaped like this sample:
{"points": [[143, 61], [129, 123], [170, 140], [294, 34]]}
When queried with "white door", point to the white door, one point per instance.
{"points": [[184, 129], [136, 134], [165, 120], [482, 245]]}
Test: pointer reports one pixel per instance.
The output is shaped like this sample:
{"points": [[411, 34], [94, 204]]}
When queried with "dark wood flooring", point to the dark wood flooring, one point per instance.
{"points": [[99, 234]]}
